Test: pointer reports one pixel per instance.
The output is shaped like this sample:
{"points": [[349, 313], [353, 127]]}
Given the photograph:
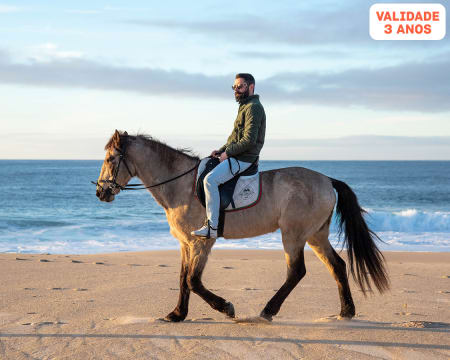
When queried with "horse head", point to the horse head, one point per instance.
{"points": [[115, 172]]}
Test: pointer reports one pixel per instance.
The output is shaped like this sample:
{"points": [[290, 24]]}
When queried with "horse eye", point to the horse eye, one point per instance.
{"points": [[110, 159]]}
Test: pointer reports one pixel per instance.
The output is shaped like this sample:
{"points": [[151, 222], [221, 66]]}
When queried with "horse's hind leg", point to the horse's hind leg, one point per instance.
{"points": [[181, 310], [199, 251], [336, 266], [296, 270]]}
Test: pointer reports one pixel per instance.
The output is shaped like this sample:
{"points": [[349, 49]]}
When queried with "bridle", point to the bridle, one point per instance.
{"points": [[113, 184]]}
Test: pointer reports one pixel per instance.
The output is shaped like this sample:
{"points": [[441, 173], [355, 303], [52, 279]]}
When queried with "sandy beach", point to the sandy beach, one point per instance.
{"points": [[107, 306]]}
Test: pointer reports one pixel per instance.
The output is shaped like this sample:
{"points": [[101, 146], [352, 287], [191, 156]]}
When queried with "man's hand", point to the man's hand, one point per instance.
{"points": [[223, 156], [215, 153]]}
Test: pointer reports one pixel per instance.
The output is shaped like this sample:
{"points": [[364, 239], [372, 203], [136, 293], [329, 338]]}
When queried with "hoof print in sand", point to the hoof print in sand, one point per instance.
{"points": [[45, 323], [423, 324]]}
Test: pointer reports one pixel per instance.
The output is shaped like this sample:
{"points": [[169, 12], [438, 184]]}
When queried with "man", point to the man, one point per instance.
{"points": [[241, 150]]}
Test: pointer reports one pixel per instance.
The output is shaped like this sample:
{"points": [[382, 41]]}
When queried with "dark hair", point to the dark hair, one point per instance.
{"points": [[249, 79]]}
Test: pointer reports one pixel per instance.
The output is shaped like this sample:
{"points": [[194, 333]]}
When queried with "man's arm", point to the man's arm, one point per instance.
{"points": [[253, 119]]}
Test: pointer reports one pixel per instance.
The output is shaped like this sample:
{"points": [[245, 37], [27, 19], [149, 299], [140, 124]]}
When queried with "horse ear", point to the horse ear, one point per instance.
{"points": [[116, 139]]}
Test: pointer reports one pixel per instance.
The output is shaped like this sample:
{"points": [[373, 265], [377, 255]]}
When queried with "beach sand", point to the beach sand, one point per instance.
{"points": [[106, 306]]}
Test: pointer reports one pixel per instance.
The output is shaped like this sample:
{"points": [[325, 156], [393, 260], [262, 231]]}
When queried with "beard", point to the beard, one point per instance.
{"points": [[242, 96]]}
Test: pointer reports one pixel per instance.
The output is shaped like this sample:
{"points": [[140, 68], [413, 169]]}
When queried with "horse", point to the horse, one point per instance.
{"points": [[298, 201]]}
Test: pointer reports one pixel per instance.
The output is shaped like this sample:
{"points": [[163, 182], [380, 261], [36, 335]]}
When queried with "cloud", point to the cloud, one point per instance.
{"points": [[93, 75], [50, 51], [318, 25], [274, 55], [421, 87], [298, 28], [264, 54], [4, 57]]}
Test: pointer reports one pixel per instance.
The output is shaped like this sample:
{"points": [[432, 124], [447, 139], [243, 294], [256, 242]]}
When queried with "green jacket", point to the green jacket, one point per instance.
{"points": [[247, 138]]}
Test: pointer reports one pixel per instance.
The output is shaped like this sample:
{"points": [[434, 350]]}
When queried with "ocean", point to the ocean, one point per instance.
{"points": [[49, 206]]}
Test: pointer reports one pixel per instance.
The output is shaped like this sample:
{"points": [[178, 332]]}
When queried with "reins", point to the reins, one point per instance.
{"points": [[131, 186], [113, 184]]}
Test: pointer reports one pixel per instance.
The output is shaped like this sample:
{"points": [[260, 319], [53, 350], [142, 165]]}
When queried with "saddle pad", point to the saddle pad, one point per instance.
{"points": [[246, 193]]}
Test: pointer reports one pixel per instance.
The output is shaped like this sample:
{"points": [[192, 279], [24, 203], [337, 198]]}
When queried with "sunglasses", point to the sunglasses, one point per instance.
{"points": [[239, 87]]}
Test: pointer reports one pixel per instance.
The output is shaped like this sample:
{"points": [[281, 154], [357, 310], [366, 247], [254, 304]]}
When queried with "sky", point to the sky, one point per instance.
{"points": [[73, 72]]}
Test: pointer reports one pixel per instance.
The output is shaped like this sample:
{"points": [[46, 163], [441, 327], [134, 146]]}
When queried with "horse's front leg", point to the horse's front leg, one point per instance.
{"points": [[199, 252], [181, 310]]}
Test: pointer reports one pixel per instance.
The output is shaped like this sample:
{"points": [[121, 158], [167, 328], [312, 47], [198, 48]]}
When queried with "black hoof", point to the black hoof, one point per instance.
{"points": [[266, 316], [347, 313], [174, 317], [229, 310]]}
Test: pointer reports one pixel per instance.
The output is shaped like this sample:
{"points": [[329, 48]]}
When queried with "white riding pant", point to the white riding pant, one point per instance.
{"points": [[219, 175]]}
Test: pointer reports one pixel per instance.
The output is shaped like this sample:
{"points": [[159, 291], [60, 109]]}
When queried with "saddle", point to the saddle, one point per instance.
{"points": [[227, 190]]}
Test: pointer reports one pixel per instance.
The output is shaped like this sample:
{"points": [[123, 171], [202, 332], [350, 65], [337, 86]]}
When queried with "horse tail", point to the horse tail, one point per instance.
{"points": [[363, 253]]}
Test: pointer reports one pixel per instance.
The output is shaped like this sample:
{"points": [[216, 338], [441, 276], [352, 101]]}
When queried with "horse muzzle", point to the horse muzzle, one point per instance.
{"points": [[105, 195]]}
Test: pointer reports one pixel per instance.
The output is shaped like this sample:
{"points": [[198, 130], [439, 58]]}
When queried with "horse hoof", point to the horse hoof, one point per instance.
{"points": [[265, 316], [347, 313], [229, 310], [174, 317]]}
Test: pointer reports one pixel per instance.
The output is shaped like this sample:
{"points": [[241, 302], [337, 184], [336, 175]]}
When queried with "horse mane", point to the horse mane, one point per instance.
{"points": [[168, 153]]}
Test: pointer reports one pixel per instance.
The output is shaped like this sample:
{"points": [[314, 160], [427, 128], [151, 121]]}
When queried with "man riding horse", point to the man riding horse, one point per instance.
{"points": [[241, 150]]}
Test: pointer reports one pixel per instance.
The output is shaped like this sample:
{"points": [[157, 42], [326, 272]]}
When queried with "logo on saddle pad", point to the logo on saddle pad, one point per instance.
{"points": [[246, 193]]}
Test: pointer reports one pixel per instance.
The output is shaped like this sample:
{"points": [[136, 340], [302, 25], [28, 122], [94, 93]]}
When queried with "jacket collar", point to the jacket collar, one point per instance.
{"points": [[248, 98]]}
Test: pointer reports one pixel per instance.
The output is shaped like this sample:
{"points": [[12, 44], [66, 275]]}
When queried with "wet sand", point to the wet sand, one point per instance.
{"points": [[107, 306]]}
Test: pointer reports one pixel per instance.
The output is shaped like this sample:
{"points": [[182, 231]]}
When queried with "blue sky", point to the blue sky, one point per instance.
{"points": [[72, 72]]}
